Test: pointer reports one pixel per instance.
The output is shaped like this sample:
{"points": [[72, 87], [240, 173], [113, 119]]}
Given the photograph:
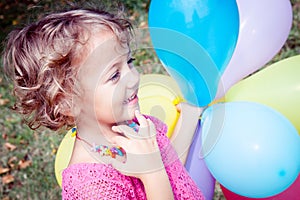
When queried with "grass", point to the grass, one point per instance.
{"points": [[27, 157]]}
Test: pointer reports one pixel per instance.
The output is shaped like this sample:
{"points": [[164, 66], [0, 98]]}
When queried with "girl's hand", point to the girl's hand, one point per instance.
{"points": [[142, 151], [143, 158], [185, 128]]}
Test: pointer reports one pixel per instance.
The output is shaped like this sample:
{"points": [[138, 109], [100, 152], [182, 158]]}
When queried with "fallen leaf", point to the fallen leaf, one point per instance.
{"points": [[4, 136], [143, 24], [11, 162], [3, 102], [10, 146], [7, 179], [24, 164], [3, 170], [53, 152], [5, 198], [23, 142]]}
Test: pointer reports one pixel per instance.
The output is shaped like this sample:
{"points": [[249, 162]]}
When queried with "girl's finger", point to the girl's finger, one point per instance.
{"points": [[141, 119], [152, 129], [130, 133], [122, 129]]}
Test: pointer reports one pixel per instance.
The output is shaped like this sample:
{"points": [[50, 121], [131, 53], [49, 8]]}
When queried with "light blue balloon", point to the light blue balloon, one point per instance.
{"points": [[205, 30], [256, 152]]}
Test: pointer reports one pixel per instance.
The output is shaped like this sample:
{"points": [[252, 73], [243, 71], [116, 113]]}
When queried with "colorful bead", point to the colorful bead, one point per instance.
{"points": [[132, 124], [74, 132], [103, 150]]}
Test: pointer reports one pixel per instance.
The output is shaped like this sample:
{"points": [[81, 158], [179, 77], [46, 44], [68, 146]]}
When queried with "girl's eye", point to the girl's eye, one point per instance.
{"points": [[115, 76]]}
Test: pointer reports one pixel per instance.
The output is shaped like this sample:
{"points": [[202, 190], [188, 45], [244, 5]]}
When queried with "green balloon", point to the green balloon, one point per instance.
{"points": [[276, 86]]}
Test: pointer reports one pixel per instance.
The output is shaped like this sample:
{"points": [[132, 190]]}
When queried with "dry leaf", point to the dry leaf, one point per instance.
{"points": [[3, 170], [7, 179], [24, 164], [3, 102], [11, 161], [23, 142], [54, 150], [4, 136], [143, 25], [10, 146], [5, 198]]}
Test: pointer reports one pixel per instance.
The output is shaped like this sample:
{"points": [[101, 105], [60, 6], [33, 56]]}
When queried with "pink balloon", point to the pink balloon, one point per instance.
{"points": [[264, 28], [293, 193]]}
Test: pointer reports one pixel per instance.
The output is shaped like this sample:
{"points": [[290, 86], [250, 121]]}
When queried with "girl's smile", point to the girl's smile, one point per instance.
{"points": [[132, 100]]}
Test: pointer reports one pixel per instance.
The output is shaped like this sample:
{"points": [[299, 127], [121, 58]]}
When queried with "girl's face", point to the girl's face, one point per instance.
{"points": [[109, 81]]}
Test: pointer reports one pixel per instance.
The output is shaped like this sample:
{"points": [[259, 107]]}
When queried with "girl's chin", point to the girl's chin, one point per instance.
{"points": [[132, 114], [132, 110]]}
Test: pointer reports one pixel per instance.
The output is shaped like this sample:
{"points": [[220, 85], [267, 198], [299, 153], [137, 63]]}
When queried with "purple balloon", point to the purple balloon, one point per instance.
{"points": [[264, 28], [196, 166]]}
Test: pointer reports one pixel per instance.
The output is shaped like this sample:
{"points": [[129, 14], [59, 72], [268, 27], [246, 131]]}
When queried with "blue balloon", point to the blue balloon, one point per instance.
{"points": [[195, 34], [197, 169], [256, 153], [198, 84]]}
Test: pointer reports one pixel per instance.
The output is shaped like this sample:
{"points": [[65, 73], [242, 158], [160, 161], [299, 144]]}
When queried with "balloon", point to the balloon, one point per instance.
{"points": [[277, 86], [195, 41], [257, 152], [292, 193], [264, 28], [157, 95], [197, 169], [63, 155]]}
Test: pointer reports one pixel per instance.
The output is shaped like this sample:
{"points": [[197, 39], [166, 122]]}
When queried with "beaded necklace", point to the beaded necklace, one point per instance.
{"points": [[103, 150]]}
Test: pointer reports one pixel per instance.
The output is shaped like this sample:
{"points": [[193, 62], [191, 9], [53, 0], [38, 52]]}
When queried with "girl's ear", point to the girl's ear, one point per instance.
{"points": [[75, 107], [69, 108], [75, 111]]}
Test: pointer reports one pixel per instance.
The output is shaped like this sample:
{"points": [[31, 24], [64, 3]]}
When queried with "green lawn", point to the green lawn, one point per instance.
{"points": [[27, 157]]}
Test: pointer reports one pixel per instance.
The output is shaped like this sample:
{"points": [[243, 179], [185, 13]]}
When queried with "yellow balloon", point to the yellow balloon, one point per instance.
{"points": [[63, 155], [158, 95], [277, 86]]}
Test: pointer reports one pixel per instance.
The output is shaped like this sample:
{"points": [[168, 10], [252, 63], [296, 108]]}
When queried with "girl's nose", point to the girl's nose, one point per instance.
{"points": [[132, 77]]}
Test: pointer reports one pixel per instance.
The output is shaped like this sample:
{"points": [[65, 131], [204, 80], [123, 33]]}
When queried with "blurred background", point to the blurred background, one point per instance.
{"points": [[26, 156]]}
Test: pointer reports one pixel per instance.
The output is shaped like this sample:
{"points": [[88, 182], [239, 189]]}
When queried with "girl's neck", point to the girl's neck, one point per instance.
{"points": [[95, 132]]}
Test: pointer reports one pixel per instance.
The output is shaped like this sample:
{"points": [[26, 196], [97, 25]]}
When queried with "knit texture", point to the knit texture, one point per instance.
{"points": [[101, 181]]}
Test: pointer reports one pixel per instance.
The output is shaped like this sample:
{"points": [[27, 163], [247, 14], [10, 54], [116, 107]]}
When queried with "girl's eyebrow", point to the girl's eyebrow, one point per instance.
{"points": [[111, 67], [116, 62]]}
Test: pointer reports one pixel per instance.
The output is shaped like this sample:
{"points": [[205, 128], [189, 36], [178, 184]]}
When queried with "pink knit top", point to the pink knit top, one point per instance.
{"points": [[102, 181]]}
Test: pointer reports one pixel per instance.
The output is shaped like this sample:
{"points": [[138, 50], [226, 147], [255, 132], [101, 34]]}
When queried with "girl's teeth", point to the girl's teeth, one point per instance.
{"points": [[130, 99]]}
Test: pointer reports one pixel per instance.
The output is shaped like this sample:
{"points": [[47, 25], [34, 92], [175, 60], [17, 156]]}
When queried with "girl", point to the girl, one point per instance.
{"points": [[75, 68]]}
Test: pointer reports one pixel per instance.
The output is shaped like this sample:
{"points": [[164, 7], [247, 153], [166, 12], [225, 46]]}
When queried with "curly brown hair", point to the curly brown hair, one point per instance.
{"points": [[41, 60]]}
